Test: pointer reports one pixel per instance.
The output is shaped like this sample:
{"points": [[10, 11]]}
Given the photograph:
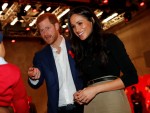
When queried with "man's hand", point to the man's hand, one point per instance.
{"points": [[34, 73]]}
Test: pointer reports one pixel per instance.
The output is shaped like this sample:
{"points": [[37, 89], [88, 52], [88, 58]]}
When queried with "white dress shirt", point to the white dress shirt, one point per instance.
{"points": [[66, 83]]}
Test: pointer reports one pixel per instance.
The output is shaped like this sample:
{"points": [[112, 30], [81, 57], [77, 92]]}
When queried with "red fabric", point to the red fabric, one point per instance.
{"points": [[12, 89]]}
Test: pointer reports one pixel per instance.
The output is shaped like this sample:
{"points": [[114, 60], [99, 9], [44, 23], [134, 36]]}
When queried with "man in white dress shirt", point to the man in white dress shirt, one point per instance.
{"points": [[55, 64]]}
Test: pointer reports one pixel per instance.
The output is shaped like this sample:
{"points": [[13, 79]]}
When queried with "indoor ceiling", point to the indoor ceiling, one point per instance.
{"points": [[25, 20]]}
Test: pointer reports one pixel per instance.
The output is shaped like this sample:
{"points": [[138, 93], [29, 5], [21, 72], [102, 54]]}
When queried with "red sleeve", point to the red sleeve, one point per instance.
{"points": [[20, 100]]}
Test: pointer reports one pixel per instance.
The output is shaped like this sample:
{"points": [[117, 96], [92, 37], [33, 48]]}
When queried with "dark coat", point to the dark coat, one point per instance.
{"points": [[44, 61]]}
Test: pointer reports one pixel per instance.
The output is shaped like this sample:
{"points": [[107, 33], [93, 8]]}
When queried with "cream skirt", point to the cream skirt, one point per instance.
{"points": [[109, 102]]}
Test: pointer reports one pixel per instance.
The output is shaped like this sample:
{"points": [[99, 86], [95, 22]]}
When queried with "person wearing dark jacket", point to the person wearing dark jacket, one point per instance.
{"points": [[55, 64]]}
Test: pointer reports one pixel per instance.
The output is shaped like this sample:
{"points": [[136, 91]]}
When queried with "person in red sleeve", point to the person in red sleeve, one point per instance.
{"points": [[12, 89]]}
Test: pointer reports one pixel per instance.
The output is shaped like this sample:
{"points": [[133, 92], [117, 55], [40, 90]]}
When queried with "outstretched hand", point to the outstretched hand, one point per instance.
{"points": [[34, 73]]}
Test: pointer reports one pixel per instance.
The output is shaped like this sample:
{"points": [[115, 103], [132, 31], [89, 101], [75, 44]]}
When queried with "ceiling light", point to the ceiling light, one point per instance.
{"points": [[99, 14], [4, 6], [63, 13], [142, 4], [14, 21], [27, 7], [48, 9], [33, 22], [64, 26], [110, 17]]}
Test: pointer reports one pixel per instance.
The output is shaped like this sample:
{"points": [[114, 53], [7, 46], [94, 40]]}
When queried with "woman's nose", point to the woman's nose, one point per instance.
{"points": [[77, 29]]}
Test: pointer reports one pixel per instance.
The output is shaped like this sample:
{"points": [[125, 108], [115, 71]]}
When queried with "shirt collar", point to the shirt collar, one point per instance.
{"points": [[2, 61], [62, 44]]}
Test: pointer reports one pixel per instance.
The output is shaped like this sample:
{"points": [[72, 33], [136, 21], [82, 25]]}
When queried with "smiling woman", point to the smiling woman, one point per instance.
{"points": [[100, 57], [81, 26]]}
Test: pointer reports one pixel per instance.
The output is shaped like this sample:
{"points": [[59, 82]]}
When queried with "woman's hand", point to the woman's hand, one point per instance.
{"points": [[86, 95], [76, 97]]}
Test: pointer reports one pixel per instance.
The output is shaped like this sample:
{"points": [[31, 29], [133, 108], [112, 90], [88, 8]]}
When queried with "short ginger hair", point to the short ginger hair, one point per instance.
{"points": [[51, 17]]}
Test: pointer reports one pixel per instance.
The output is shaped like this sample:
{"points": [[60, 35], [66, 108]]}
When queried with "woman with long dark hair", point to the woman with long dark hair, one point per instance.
{"points": [[100, 57]]}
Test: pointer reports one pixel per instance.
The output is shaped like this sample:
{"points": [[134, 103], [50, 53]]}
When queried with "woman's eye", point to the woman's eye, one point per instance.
{"points": [[80, 23]]}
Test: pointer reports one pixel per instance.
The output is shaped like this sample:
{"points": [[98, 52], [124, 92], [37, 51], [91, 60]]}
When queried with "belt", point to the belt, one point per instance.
{"points": [[68, 107], [104, 78]]}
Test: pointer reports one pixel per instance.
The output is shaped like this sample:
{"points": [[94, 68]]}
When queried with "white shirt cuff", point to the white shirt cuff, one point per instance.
{"points": [[34, 82]]}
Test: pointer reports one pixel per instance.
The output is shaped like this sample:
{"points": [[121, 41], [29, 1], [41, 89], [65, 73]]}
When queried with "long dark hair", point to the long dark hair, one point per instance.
{"points": [[94, 45]]}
